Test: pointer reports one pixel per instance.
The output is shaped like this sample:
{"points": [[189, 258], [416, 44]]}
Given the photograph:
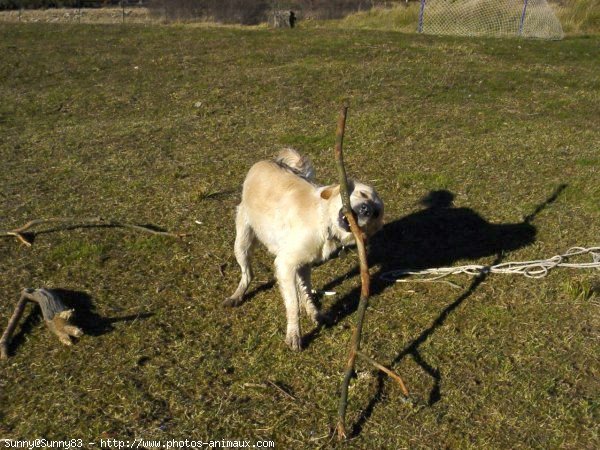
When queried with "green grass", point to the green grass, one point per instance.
{"points": [[71, 252], [158, 125]]}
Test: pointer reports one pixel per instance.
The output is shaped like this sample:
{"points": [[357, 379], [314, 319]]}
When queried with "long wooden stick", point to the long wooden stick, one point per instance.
{"points": [[365, 284], [364, 272], [21, 232]]}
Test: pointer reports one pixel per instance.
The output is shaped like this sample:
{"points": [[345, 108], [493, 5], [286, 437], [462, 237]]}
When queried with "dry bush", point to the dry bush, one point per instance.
{"points": [[333, 9], [247, 12], [250, 12], [578, 16]]}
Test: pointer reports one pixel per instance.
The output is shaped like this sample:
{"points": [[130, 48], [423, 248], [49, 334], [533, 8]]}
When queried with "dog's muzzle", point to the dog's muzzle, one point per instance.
{"points": [[364, 212]]}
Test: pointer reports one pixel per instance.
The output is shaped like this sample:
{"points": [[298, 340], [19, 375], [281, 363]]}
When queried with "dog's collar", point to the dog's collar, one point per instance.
{"points": [[332, 237]]}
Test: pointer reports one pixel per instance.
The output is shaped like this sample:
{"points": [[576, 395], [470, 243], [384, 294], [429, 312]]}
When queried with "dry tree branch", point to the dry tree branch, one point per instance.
{"points": [[12, 324], [55, 313], [365, 284], [21, 233], [384, 369]]}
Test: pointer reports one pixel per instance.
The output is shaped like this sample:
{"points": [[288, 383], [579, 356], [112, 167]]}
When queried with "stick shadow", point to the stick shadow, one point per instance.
{"points": [[30, 236], [412, 349]]}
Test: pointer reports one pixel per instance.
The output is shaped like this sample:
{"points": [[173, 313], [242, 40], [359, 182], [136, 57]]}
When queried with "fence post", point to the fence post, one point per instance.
{"points": [[522, 22], [421, 12]]}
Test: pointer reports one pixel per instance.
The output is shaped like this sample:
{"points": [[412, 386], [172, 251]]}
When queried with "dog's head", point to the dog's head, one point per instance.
{"points": [[366, 204]]}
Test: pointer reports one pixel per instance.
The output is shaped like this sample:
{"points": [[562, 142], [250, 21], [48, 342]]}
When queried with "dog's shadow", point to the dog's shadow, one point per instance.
{"points": [[85, 317], [438, 235]]}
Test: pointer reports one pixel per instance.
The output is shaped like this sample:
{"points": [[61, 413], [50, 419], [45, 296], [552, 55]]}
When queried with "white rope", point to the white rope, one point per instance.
{"points": [[531, 269]]}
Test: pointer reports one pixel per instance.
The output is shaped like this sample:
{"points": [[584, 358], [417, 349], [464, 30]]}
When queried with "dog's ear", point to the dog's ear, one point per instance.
{"points": [[330, 191]]}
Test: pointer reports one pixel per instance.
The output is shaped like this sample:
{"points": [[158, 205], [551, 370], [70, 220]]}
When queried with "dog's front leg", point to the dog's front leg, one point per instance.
{"points": [[287, 274], [305, 293]]}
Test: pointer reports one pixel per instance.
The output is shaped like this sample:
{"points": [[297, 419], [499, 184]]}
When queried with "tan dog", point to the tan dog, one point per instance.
{"points": [[300, 223]]}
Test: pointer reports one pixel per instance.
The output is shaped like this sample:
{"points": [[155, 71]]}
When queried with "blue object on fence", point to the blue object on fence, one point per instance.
{"points": [[421, 11], [522, 18]]}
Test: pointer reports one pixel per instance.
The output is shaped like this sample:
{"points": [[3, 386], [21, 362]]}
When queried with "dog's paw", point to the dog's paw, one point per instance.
{"points": [[294, 341], [232, 302]]}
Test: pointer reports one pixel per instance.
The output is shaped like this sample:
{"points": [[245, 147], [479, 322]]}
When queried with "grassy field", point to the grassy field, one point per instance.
{"points": [[158, 125]]}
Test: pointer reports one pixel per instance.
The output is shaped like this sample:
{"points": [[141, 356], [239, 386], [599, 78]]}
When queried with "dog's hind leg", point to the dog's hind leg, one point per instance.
{"points": [[245, 239], [287, 278], [304, 285]]}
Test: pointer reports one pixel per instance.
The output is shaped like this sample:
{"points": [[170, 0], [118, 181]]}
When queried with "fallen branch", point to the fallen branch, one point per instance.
{"points": [[24, 236], [365, 285], [55, 313], [12, 324]]}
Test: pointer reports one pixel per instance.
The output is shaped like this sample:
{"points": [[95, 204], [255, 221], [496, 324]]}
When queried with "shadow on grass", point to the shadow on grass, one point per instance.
{"points": [[30, 236], [86, 317], [436, 236], [257, 290], [412, 349]]}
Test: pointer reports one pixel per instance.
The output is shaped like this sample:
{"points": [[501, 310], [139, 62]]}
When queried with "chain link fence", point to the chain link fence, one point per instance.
{"points": [[500, 18]]}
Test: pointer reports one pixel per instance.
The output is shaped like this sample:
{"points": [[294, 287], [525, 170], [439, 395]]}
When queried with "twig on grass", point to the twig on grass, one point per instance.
{"points": [[12, 324], [24, 236], [365, 284], [283, 391], [384, 369]]}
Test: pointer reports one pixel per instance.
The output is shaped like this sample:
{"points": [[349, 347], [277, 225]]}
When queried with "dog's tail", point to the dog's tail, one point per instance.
{"points": [[297, 163]]}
